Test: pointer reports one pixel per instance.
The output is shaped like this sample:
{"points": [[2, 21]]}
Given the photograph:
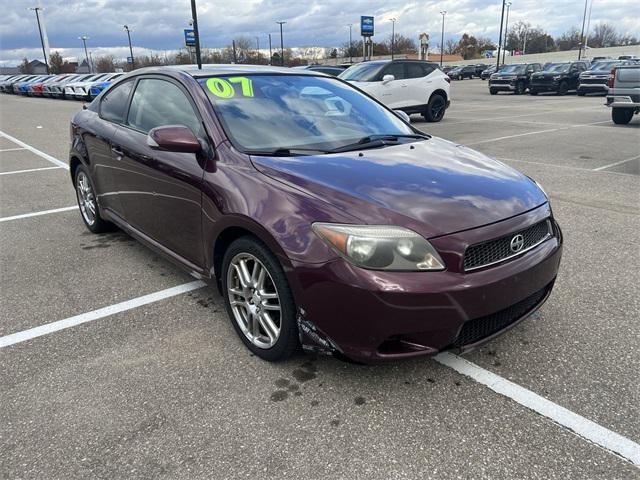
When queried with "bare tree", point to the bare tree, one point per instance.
{"points": [[25, 66], [604, 35], [105, 64], [569, 40]]}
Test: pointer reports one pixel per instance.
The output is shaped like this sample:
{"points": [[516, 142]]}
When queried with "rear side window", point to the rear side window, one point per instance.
{"points": [[416, 70], [113, 106], [158, 102]]}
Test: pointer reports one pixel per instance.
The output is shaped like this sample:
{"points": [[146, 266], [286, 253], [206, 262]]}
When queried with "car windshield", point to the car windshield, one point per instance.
{"points": [[512, 69], [364, 72], [604, 65], [267, 113], [558, 68]]}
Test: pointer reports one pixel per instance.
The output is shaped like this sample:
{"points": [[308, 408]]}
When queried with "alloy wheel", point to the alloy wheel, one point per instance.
{"points": [[254, 300], [437, 108], [86, 198]]}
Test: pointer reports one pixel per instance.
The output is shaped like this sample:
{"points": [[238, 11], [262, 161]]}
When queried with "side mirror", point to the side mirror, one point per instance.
{"points": [[403, 115], [388, 78], [173, 138]]}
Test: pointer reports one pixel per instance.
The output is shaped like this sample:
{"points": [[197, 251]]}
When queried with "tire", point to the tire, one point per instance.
{"points": [[435, 108], [580, 94], [533, 92], [520, 88], [269, 333], [87, 203], [621, 116], [493, 91], [563, 88]]}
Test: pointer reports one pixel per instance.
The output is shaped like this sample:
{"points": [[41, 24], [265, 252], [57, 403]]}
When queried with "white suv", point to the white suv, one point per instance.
{"points": [[412, 86]]}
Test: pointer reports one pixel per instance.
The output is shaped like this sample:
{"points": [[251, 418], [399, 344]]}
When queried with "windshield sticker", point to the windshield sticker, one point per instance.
{"points": [[222, 88]]}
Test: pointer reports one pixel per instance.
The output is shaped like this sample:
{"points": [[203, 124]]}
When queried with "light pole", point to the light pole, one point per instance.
{"points": [[506, 30], [393, 35], [281, 44], [133, 64], [584, 18], [44, 52], [500, 36], [443, 13], [270, 52], [196, 35], [350, 43], [84, 39], [524, 45]]}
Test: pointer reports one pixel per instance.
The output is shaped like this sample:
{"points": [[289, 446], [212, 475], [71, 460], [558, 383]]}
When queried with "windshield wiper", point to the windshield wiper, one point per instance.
{"points": [[285, 152], [373, 141]]}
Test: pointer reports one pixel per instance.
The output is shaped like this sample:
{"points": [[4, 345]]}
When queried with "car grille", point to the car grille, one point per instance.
{"points": [[475, 330], [542, 80], [494, 251], [501, 82], [593, 81]]}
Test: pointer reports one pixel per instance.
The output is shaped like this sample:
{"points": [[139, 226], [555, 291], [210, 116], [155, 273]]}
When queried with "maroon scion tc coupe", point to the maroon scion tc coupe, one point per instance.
{"points": [[327, 220]]}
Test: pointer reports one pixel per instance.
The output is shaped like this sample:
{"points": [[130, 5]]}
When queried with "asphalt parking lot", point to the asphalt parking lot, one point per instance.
{"points": [[154, 383]]}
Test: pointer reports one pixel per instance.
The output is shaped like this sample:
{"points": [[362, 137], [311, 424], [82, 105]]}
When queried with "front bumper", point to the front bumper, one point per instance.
{"points": [[544, 87], [372, 316], [507, 87], [592, 88]]}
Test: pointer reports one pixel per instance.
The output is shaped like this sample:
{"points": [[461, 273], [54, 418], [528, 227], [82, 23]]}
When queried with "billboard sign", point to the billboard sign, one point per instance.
{"points": [[366, 26], [189, 37]]}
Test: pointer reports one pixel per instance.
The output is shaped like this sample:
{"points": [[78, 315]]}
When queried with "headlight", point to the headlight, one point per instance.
{"points": [[380, 247], [557, 77]]}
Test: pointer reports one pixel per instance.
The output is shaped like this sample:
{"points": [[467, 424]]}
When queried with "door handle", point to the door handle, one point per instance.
{"points": [[119, 153]]}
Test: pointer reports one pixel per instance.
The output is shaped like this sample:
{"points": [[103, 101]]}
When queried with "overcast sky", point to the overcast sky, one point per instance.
{"points": [[158, 24]]}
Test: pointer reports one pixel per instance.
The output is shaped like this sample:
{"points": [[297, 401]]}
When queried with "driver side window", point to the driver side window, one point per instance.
{"points": [[159, 102]]}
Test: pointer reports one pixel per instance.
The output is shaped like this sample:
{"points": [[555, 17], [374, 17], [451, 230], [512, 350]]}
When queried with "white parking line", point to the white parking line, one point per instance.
{"points": [[30, 170], [489, 140], [11, 149], [616, 163], [37, 214], [46, 156], [603, 437], [52, 327]]}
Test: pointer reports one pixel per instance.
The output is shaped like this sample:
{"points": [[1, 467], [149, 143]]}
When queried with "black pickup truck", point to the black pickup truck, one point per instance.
{"points": [[558, 77], [513, 78]]}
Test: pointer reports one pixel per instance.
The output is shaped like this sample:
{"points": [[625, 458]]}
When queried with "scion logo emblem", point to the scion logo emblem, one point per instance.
{"points": [[517, 242]]}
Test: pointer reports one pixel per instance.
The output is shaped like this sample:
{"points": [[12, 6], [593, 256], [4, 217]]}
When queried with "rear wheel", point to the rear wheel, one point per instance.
{"points": [[87, 202], [621, 116], [435, 108], [259, 300], [563, 88]]}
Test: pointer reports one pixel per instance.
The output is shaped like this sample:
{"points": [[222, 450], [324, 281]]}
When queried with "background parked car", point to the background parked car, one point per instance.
{"points": [[96, 88], [595, 79], [79, 90], [623, 96], [514, 78], [447, 68], [412, 86], [22, 88], [480, 67], [460, 73], [559, 78], [486, 73], [6, 85], [55, 89], [36, 89]]}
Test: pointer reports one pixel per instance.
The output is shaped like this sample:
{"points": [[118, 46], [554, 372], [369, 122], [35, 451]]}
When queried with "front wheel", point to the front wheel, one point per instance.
{"points": [[493, 91], [258, 299], [87, 202], [621, 116], [435, 108], [563, 88], [580, 94], [520, 88], [533, 92]]}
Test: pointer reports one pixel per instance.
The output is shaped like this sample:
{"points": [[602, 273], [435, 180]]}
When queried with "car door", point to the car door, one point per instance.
{"points": [[161, 191], [108, 174], [420, 83], [394, 94]]}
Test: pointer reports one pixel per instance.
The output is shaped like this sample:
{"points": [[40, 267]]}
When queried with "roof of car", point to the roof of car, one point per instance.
{"points": [[223, 69]]}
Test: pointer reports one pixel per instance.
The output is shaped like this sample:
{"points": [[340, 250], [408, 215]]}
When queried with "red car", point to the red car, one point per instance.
{"points": [[325, 219], [36, 89]]}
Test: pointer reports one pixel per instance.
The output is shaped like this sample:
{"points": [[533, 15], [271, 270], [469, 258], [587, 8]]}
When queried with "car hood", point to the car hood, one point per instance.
{"points": [[434, 187]]}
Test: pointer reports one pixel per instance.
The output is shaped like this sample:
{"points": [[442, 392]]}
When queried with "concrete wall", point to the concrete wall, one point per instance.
{"points": [[613, 52]]}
